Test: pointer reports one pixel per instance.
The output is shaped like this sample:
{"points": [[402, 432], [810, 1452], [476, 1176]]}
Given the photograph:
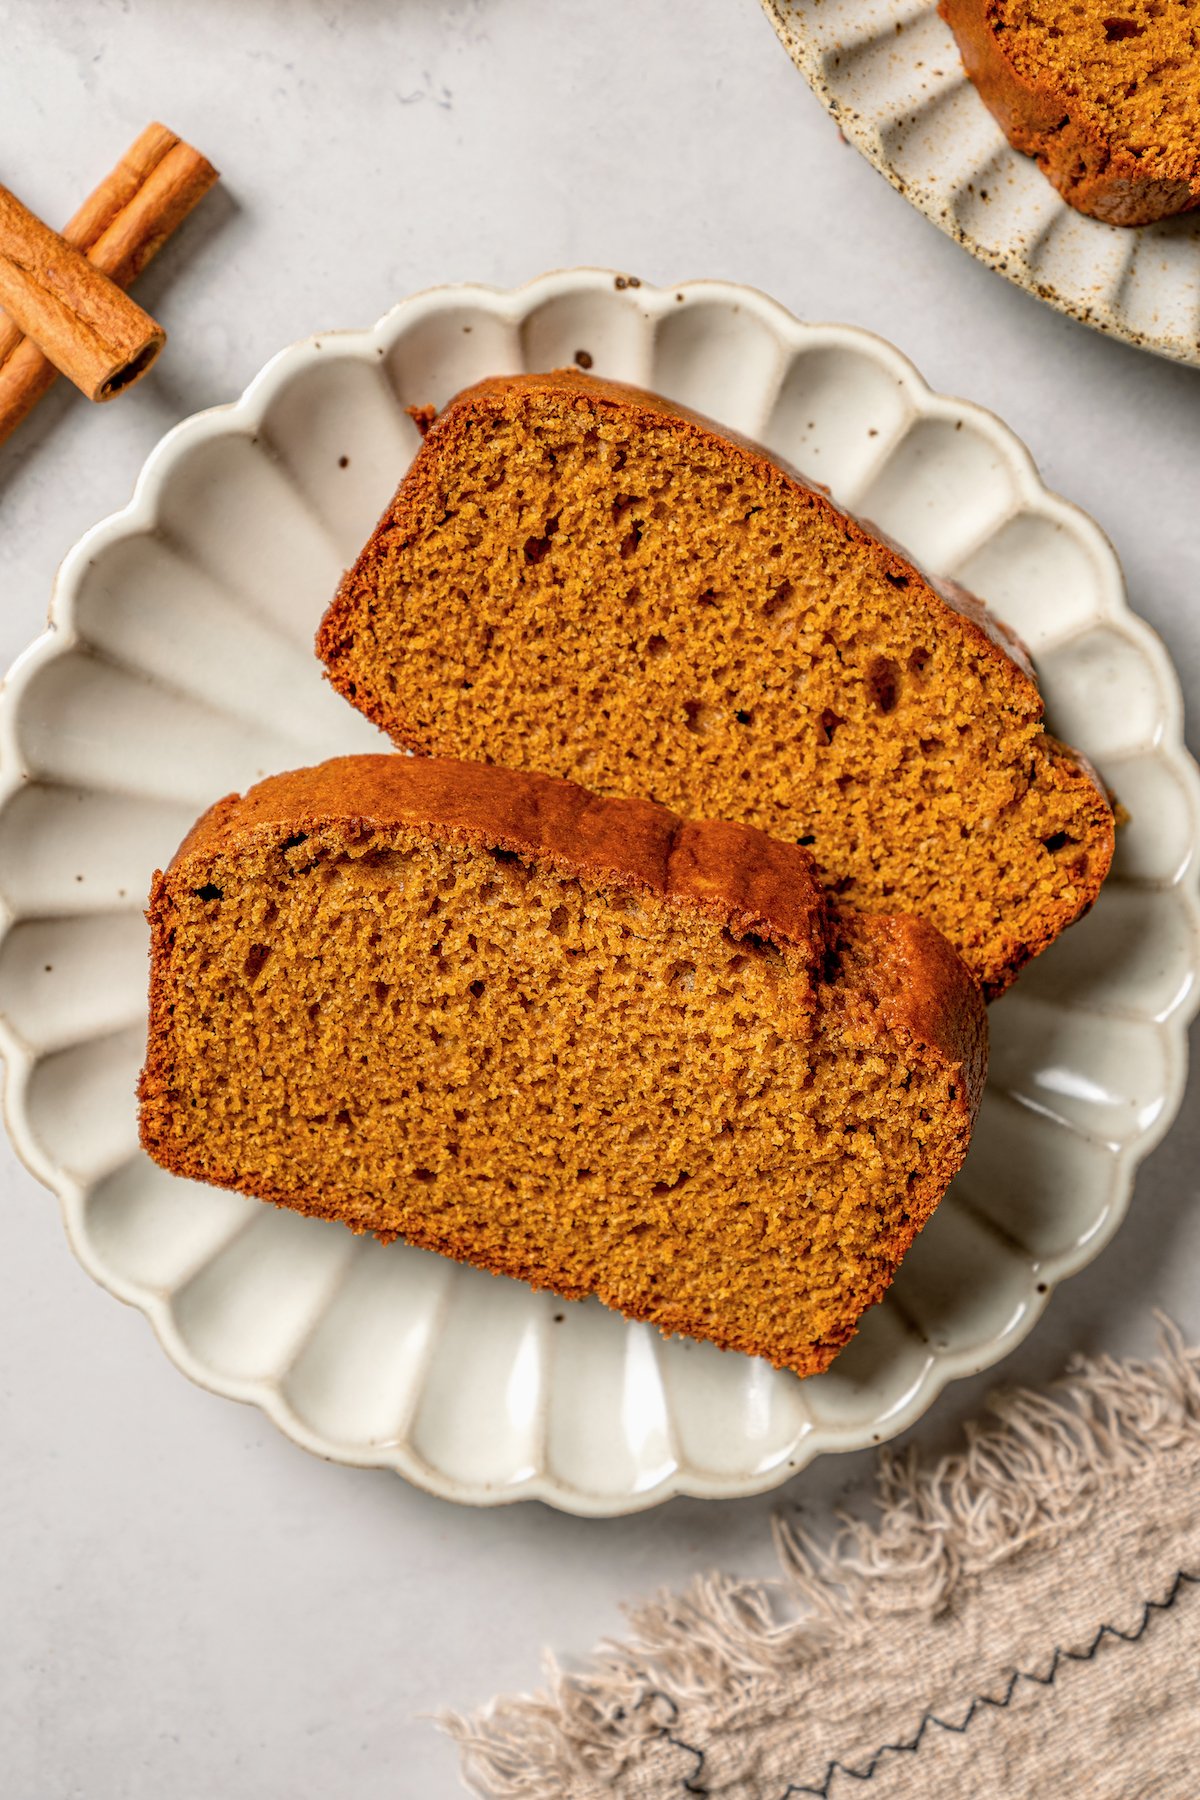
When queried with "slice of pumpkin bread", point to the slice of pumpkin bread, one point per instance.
{"points": [[1105, 96], [575, 1040], [579, 578]]}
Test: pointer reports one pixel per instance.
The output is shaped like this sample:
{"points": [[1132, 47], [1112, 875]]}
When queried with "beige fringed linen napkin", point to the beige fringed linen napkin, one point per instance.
{"points": [[1021, 1620]]}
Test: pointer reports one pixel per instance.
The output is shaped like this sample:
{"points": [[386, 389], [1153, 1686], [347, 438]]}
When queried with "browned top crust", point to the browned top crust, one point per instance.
{"points": [[899, 968], [1095, 172], [733, 872], [907, 972]]}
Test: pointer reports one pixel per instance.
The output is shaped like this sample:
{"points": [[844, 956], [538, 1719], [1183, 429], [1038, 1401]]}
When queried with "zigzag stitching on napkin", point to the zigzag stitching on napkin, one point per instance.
{"points": [[693, 1784], [692, 1750], [1035, 1477]]}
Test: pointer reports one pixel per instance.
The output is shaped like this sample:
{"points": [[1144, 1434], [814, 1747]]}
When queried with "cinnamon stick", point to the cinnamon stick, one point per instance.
{"points": [[88, 326], [119, 228]]}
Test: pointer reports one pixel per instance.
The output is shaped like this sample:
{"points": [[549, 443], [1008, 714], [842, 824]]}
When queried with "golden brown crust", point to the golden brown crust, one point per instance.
{"points": [[747, 879], [913, 977], [895, 979], [1095, 174]]}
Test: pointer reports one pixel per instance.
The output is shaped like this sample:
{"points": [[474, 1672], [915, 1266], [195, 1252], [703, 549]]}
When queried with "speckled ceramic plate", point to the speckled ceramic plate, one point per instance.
{"points": [[890, 73], [178, 666]]}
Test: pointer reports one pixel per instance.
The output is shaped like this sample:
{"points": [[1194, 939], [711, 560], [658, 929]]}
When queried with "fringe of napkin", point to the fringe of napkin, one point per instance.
{"points": [[726, 1649]]}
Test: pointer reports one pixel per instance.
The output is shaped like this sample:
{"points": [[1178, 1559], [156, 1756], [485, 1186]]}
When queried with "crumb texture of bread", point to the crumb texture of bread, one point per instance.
{"points": [[576, 1041], [1106, 97], [577, 577]]}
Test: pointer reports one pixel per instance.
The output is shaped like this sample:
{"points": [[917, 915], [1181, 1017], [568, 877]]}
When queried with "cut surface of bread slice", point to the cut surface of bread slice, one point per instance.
{"points": [[574, 1040], [579, 578], [1106, 97]]}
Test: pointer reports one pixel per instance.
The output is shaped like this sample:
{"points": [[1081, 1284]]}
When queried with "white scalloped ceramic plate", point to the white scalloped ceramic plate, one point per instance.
{"points": [[178, 666], [890, 74]]}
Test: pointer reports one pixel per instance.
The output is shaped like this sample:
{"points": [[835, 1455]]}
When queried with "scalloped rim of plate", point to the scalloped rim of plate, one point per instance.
{"points": [[245, 415], [1009, 260]]}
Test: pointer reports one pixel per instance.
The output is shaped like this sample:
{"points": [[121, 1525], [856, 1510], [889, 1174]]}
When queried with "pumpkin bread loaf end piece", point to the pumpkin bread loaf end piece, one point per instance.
{"points": [[1106, 97], [574, 1040]]}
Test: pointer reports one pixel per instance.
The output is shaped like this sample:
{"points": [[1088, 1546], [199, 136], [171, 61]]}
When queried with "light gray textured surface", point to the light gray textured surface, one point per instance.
{"points": [[188, 1605]]}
